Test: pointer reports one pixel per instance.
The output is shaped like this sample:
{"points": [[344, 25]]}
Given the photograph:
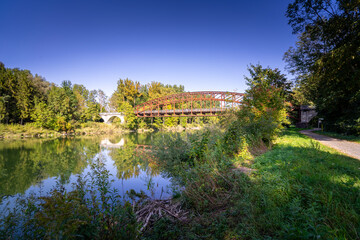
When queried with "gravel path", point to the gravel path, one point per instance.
{"points": [[351, 149]]}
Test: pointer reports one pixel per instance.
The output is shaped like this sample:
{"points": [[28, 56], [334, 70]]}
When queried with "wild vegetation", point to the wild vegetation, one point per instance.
{"points": [[201, 164], [227, 184]]}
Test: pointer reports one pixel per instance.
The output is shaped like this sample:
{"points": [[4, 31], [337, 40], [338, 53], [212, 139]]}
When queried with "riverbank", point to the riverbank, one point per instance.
{"points": [[299, 189], [17, 131]]}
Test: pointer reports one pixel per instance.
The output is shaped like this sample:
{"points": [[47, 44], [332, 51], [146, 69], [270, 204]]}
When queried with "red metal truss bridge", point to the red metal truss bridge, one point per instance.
{"points": [[192, 104]]}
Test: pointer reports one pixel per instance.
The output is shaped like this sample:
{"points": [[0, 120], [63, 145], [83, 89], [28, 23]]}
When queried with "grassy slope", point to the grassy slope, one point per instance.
{"points": [[301, 190], [340, 136]]}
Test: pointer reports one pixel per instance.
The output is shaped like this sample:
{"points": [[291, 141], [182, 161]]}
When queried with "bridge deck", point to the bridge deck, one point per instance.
{"points": [[180, 112]]}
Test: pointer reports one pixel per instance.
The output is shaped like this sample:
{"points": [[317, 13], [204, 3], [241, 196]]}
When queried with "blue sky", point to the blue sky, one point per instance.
{"points": [[203, 45]]}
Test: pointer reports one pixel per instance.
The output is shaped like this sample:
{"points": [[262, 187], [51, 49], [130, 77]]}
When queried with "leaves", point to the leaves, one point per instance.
{"points": [[326, 59]]}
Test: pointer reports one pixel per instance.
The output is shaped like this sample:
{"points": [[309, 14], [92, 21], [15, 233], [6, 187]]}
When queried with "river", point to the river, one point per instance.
{"points": [[36, 166]]}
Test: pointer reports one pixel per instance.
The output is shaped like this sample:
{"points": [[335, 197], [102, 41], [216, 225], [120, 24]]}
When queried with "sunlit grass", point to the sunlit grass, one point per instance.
{"points": [[305, 190]]}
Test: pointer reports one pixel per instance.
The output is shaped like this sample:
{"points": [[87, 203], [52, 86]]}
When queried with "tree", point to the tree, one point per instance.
{"points": [[130, 118], [23, 93], [62, 101], [326, 59], [3, 113], [155, 90], [268, 77], [127, 91], [42, 115], [260, 117], [102, 101]]}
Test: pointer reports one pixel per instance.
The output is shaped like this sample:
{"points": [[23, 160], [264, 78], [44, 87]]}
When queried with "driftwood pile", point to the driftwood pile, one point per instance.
{"points": [[149, 211]]}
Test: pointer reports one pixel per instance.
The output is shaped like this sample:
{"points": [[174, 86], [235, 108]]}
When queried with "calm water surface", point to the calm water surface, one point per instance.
{"points": [[35, 166]]}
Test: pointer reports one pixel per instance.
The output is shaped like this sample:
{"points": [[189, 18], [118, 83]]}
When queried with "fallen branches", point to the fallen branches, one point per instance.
{"points": [[149, 211]]}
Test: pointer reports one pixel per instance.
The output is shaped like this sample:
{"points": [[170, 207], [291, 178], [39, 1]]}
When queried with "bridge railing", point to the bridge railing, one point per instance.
{"points": [[190, 104]]}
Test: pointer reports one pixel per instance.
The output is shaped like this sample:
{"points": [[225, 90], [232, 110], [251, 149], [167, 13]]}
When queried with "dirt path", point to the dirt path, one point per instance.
{"points": [[351, 149]]}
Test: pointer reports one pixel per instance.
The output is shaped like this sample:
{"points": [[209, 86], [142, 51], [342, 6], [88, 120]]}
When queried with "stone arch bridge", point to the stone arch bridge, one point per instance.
{"points": [[109, 117]]}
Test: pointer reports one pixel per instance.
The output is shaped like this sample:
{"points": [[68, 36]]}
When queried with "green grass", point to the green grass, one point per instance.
{"points": [[351, 138], [300, 190], [310, 190]]}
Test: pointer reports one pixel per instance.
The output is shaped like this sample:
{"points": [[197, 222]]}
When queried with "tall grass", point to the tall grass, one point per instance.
{"points": [[298, 190]]}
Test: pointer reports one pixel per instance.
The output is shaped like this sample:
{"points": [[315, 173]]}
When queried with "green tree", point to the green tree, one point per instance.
{"points": [[268, 77], [155, 90], [260, 118], [42, 115], [23, 93], [326, 59], [63, 103], [3, 102], [130, 118]]}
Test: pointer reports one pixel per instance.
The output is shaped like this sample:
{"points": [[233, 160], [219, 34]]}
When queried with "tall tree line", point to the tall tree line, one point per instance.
{"points": [[28, 98]]}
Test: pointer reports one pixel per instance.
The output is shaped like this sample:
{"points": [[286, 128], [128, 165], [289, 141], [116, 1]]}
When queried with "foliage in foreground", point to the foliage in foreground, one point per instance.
{"points": [[91, 211]]}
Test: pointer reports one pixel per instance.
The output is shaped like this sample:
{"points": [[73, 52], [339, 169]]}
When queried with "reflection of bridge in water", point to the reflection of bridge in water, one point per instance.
{"points": [[108, 144]]}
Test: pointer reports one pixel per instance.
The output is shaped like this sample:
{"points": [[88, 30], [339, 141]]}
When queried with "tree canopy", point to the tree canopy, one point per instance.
{"points": [[326, 59], [28, 98]]}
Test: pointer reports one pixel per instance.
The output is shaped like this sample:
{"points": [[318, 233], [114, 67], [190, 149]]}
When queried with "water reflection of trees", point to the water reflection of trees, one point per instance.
{"points": [[25, 163], [130, 160]]}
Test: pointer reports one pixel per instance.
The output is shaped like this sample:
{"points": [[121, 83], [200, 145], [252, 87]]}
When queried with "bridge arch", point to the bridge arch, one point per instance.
{"points": [[204, 103], [109, 117], [109, 144]]}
